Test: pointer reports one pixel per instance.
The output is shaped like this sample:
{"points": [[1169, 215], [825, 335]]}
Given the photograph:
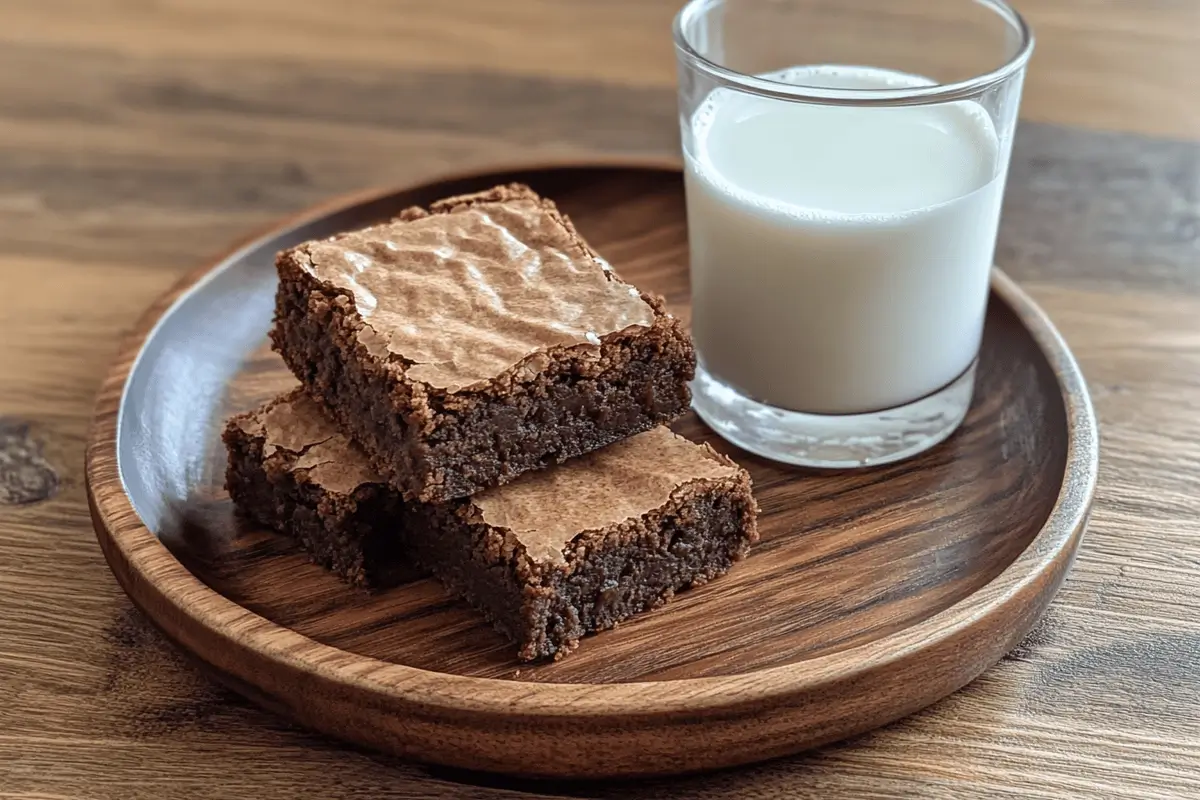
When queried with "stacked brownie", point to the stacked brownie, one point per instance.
{"points": [[483, 397]]}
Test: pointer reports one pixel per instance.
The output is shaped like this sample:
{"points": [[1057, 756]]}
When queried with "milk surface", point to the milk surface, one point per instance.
{"points": [[840, 256]]}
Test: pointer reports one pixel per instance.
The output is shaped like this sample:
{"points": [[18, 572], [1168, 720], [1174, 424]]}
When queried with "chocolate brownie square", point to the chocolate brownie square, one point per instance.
{"points": [[548, 558], [466, 344]]}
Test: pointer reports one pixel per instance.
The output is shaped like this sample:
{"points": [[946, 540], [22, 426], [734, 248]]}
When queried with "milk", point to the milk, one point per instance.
{"points": [[840, 256]]}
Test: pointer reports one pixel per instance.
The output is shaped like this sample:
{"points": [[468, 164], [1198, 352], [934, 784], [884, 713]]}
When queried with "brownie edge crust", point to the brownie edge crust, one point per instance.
{"points": [[437, 443]]}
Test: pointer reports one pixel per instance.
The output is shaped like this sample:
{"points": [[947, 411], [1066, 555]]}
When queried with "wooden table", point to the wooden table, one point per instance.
{"points": [[139, 137]]}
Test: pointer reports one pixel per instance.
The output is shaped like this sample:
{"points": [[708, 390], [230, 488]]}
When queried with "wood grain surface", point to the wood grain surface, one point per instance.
{"points": [[140, 138]]}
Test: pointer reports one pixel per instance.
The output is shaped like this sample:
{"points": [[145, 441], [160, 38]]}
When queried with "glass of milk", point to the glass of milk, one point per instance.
{"points": [[844, 164]]}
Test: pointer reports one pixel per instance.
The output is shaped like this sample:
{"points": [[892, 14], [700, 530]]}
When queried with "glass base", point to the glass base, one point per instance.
{"points": [[828, 441]]}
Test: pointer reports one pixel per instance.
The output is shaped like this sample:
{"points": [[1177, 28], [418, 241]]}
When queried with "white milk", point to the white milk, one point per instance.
{"points": [[840, 256]]}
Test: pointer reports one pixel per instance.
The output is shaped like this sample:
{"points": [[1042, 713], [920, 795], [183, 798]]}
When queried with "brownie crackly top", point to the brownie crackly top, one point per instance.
{"points": [[544, 510], [469, 289], [323, 456]]}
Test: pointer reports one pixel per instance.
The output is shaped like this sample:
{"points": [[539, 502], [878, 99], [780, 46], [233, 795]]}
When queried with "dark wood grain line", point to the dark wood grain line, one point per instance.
{"points": [[586, 112], [1102, 208]]}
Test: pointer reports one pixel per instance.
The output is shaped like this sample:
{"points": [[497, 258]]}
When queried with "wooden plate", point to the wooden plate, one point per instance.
{"points": [[872, 594]]}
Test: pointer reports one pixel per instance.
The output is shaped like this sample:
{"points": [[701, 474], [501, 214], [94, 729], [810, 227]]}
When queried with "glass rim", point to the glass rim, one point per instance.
{"points": [[909, 96]]}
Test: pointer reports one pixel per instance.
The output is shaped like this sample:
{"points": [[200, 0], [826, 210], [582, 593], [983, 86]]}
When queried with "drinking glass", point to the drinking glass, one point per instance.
{"points": [[844, 164]]}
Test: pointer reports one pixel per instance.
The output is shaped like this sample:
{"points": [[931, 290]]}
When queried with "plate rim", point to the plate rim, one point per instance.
{"points": [[166, 590]]}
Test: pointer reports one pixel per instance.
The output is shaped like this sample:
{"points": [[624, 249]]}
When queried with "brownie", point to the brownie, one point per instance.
{"points": [[466, 344], [317, 488], [548, 558]]}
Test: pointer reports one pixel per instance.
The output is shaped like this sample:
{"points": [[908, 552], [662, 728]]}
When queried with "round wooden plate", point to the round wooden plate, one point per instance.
{"points": [[872, 594]]}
